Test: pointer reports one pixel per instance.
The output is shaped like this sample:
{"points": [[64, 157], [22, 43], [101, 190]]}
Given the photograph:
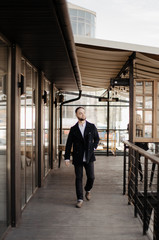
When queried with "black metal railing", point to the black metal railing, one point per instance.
{"points": [[141, 184]]}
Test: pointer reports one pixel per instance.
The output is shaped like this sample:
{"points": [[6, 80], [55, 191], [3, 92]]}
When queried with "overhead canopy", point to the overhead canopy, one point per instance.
{"points": [[42, 29], [101, 60]]}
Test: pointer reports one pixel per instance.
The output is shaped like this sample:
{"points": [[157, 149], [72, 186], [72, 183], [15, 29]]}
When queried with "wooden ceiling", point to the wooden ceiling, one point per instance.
{"points": [[42, 29]]}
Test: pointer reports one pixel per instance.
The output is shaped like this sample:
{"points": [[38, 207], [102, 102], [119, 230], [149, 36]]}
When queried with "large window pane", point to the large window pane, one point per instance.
{"points": [[139, 102], [148, 102], [148, 131], [139, 124], [46, 128], [3, 136], [148, 116], [81, 29], [148, 88], [139, 88], [29, 131], [28, 140]]}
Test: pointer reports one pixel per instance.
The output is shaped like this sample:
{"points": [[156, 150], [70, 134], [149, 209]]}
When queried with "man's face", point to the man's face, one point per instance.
{"points": [[81, 114]]}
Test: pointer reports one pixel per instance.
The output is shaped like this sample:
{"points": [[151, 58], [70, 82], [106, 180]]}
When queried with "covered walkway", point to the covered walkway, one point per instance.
{"points": [[51, 213]]}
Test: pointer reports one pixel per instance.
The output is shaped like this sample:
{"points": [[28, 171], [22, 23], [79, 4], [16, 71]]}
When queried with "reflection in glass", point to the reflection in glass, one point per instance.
{"points": [[148, 102], [22, 147], [139, 130], [148, 88], [148, 131], [29, 132], [139, 122], [139, 88], [3, 135], [139, 102], [28, 143], [148, 116], [139, 117], [46, 129]]}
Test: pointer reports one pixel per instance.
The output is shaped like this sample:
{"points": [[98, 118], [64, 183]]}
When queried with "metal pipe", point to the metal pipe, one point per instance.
{"points": [[68, 101], [108, 126]]}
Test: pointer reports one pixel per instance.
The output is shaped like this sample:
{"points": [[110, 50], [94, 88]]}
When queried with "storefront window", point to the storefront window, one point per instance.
{"points": [[46, 128], [28, 143], [3, 135]]}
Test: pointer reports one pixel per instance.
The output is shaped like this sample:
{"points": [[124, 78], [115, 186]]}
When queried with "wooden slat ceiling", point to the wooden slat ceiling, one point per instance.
{"points": [[39, 27]]}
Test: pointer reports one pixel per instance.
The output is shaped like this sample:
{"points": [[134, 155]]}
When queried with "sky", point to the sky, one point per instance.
{"points": [[130, 21]]}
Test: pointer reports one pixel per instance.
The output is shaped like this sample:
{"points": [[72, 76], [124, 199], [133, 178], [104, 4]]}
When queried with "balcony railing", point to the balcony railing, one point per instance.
{"points": [[141, 184]]}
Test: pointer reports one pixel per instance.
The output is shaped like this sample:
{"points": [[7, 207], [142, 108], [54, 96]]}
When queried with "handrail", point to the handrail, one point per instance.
{"points": [[141, 184], [144, 153]]}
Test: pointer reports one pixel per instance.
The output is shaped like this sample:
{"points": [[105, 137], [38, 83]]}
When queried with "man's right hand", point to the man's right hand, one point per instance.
{"points": [[67, 163]]}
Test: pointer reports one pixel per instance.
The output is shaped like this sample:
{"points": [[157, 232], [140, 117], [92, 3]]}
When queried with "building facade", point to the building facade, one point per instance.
{"points": [[83, 21], [35, 61]]}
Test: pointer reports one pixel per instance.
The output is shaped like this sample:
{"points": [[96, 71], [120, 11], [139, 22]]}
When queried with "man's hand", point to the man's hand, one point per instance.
{"points": [[67, 163]]}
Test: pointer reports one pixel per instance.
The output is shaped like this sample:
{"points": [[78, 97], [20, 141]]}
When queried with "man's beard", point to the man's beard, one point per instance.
{"points": [[81, 119]]}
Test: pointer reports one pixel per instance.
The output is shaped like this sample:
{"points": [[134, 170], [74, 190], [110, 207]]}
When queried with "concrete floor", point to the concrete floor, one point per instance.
{"points": [[51, 213]]}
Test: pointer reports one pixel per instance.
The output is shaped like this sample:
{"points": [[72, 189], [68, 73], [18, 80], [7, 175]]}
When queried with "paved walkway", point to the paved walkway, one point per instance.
{"points": [[51, 213]]}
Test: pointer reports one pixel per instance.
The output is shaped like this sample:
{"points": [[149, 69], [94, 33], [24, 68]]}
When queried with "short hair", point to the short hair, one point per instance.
{"points": [[78, 109]]}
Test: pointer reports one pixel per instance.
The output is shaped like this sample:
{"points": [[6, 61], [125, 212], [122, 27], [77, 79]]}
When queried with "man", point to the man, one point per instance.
{"points": [[84, 138]]}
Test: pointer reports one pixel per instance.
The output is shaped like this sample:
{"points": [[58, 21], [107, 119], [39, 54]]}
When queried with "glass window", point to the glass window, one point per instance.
{"points": [[148, 116], [73, 12], [139, 102], [46, 128], [148, 102], [28, 143], [92, 19], [139, 88], [81, 29], [139, 124], [80, 16], [88, 30], [81, 13], [148, 131], [74, 27], [88, 17], [144, 101], [148, 88], [139, 117], [3, 135]]}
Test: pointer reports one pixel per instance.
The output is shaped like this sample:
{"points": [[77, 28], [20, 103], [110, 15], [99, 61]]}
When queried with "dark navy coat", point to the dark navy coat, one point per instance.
{"points": [[81, 145]]}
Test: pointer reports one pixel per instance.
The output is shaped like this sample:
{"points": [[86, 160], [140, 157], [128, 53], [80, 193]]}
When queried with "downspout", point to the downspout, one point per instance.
{"points": [[68, 101]]}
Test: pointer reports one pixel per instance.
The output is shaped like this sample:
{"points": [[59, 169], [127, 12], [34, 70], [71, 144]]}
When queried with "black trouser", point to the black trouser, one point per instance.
{"points": [[89, 167]]}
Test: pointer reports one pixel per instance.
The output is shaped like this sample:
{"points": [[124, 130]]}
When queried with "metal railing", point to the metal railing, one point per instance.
{"points": [[141, 184]]}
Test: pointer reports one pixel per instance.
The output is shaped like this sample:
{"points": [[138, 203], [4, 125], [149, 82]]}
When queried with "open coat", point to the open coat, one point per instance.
{"points": [[81, 145]]}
